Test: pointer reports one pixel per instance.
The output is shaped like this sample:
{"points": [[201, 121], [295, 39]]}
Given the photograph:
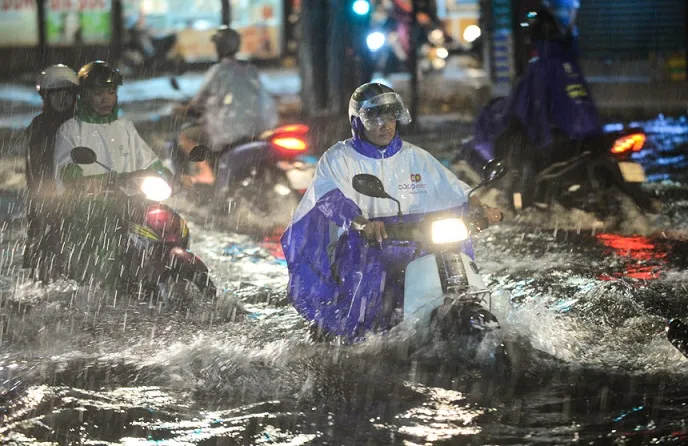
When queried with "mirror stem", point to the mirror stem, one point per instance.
{"points": [[475, 189], [103, 166], [399, 213]]}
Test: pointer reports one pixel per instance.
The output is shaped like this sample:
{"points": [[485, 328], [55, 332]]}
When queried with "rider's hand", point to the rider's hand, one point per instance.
{"points": [[493, 215], [187, 181], [375, 230]]}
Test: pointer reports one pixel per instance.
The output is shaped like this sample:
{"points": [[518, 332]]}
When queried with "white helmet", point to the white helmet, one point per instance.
{"points": [[56, 77]]}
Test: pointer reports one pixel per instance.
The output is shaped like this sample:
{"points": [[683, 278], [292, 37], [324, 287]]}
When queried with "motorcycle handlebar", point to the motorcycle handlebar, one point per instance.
{"points": [[418, 231]]}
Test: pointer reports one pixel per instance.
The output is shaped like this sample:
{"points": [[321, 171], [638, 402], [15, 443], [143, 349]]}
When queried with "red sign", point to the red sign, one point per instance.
{"points": [[14, 5]]}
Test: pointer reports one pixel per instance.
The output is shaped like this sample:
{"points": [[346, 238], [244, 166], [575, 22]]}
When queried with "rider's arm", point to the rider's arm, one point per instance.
{"points": [[73, 179]]}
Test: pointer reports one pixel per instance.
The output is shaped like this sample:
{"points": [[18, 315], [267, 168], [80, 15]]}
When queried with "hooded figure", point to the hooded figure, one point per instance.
{"points": [[345, 285], [552, 94], [57, 85]]}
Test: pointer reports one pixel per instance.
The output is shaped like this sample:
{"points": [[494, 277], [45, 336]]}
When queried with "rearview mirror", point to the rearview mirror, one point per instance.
{"points": [[83, 155], [369, 185], [493, 170], [199, 153]]}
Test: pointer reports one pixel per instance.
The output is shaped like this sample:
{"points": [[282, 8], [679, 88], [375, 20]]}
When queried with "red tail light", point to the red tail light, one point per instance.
{"points": [[300, 129], [290, 143], [290, 138], [633, 142]]}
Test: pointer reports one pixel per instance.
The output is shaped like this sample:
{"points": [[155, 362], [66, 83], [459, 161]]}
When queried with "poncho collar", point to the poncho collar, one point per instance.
{"points": [[86, 114], [370, 150]]}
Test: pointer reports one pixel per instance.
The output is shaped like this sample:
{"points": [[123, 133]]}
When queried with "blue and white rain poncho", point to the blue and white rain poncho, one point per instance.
{"points": [[336, 278]]}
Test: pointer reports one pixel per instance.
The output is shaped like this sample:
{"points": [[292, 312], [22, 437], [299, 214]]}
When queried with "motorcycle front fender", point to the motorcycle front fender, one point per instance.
{"points": [[187, 266], [429, 278]]}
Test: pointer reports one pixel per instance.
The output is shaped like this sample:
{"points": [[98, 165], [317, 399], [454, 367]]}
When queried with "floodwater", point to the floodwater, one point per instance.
{"points": [[583, 313]]}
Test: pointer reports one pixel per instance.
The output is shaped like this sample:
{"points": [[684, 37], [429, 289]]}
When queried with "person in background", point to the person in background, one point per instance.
{"points": [[232, 103], [57, 85]]}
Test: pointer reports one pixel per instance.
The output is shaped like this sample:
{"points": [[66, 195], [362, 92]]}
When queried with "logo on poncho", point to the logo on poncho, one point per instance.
{"points": [[415, 185]]}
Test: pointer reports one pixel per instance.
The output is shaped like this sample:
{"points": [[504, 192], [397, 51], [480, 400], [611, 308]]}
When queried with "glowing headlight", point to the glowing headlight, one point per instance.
{"points": [[442, 53], [156, 189], [449, 230]]}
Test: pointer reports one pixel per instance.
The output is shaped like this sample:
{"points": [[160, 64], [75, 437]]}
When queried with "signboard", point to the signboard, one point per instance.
{"points": [[260, 23], [502, 44], [70, 22], [18, 23]]}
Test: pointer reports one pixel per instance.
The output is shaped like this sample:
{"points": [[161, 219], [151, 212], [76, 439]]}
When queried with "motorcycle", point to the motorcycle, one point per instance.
{"points": [[142, 52], [154, 238], [259, 180], [444, 295], [595, 175]]}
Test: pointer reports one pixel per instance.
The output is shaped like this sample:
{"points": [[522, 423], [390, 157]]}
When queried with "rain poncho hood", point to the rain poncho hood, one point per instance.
{"points": [[552, 94], [337, 280]]}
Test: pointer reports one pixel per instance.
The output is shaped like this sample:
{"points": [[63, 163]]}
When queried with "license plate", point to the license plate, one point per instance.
{"points": [[632, 172]]}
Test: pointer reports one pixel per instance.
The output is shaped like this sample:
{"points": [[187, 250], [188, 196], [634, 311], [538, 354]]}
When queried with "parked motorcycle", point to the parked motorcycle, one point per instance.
{"points": [[154, 238], [444, 295], [593, 175], [142, 52], [259, 181]]}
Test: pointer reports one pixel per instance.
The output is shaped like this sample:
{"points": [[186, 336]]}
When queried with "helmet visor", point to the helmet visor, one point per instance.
{"points": [[382, 109]]}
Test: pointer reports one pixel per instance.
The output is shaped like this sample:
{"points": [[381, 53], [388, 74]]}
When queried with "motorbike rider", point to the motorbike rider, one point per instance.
{"points": [[57, 85], [118, 146], [97, 126], [552, 100], [343, 285], [232, 102]]}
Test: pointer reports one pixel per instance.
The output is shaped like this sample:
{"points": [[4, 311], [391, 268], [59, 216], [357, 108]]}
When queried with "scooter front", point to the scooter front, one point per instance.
{"points": [[432, 280]]}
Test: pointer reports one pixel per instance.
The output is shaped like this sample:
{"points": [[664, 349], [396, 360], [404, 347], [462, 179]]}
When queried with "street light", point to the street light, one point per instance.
{"points": [[361, 7]]}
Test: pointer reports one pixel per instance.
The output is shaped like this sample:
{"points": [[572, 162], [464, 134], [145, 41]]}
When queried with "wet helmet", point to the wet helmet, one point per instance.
{"points": [[99, 74], [56, 77], [541, 26], [227, 41], [374, 102]]}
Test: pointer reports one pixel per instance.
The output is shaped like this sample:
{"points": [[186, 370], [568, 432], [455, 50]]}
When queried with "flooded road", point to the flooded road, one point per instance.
{"points": [[583, 312]]}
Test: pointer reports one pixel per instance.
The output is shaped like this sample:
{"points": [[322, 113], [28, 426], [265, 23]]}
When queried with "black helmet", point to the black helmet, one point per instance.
{"points": [[99, 74], [227, 41], [542, 26], [373, 100]]}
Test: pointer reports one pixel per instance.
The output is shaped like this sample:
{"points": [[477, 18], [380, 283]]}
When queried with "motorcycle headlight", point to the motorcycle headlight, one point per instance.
{"points": [[156, 189], [449, 230]]}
